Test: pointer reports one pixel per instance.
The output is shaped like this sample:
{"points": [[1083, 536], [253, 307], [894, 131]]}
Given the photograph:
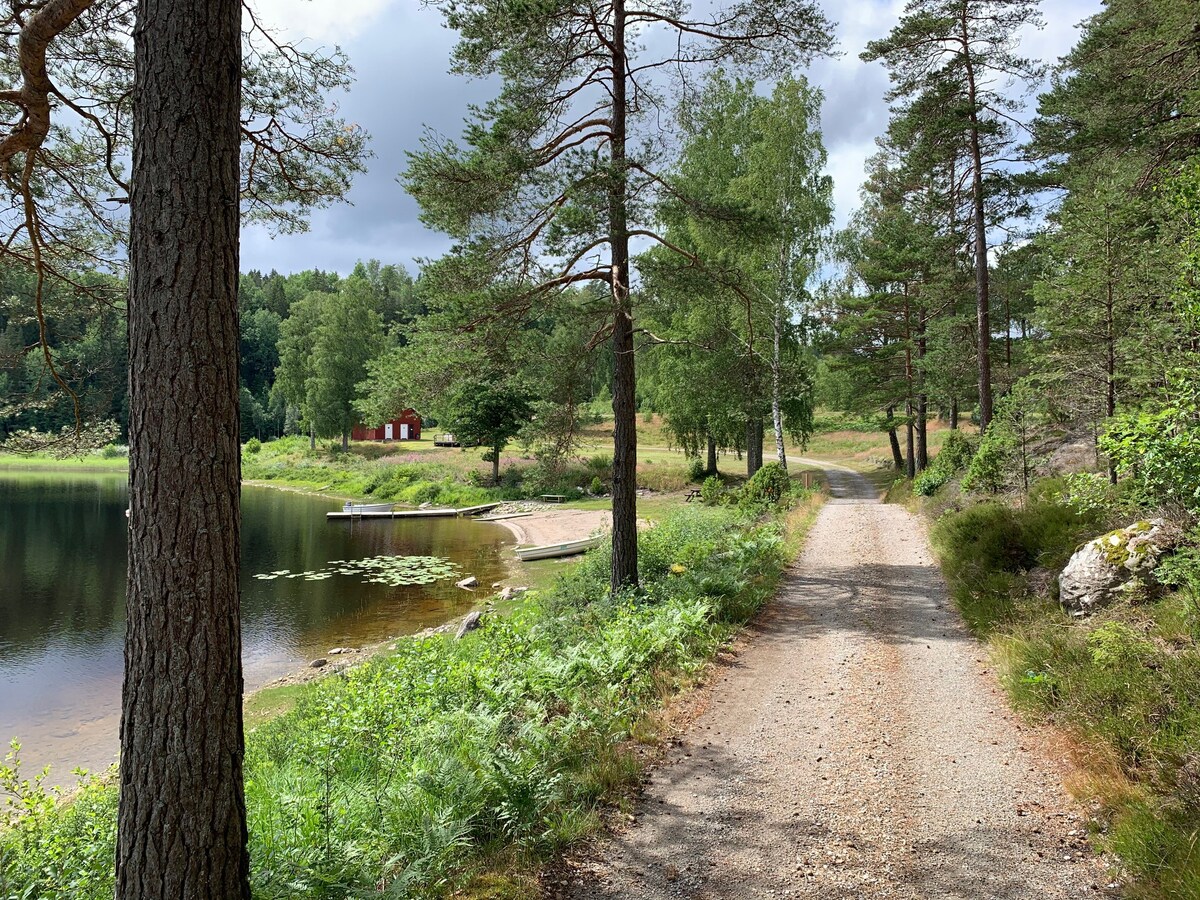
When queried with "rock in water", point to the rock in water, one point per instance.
{"points": [[470, 623], [467, 583], [1110, 566]]}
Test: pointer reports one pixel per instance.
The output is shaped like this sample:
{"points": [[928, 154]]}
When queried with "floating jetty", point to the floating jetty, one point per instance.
{"points": [[360, 513]]}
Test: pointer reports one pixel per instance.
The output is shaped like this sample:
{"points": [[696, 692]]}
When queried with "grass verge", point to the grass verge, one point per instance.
{"points": [[455, 764], [1125, 683]]}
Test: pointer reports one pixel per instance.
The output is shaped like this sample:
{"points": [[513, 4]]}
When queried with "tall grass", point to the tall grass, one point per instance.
{"points": [[408, 775], [1125, 682]]}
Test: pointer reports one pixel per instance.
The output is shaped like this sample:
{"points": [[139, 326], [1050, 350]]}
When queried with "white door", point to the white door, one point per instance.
{"points": [[389, 433], [403, 432]]}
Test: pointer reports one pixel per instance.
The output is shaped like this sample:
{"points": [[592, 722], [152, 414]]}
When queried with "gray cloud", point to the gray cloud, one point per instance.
{"points": [[402, 85]]}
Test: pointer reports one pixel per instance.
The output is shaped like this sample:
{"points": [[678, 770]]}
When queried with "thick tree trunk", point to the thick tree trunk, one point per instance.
{"points": [[181, 829], [922, 397], [982, 311], [345, 441], [894, 440], [910, 455], [954, 414], [754, 445], [712, 455], [624, 489]]}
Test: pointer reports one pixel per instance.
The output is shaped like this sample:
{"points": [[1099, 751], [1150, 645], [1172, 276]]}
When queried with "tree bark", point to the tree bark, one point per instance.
{"points": [[624, 489], [712, 455], [345, 441], [922, 397], [894, 440], [777, 407], [982, 310], [496, 464], [910, 456], [182, 816], [954, 414], [754, 445]]}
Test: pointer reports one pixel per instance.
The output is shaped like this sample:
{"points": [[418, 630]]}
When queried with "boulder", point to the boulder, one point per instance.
{"points": [[467, 583], [1114, 565], [318, 663], [470, 623]]}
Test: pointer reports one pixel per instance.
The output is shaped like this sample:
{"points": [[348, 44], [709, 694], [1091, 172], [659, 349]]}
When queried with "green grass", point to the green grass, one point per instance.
{"points": [[456, 765], [1125, 682], [93, 462]]}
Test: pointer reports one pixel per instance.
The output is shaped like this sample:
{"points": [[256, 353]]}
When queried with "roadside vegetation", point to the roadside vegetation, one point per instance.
{"points": [[1123, 681], [457, 765]]}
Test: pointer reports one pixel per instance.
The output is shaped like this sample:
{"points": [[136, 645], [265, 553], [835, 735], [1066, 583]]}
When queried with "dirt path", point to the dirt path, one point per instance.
{"points": [[856, 748]]}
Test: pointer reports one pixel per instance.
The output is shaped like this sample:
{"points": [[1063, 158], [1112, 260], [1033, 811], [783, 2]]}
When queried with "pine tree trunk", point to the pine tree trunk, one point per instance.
{"points": [[182, 817], [922, 397], [624, 489], [754, 445], [982, 310], [712, 455], [894, 440], [910, 455], [954, 414], [345, 441]]}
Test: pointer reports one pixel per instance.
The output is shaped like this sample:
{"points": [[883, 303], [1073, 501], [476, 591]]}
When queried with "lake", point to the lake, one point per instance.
{"points": [[62, 599]]}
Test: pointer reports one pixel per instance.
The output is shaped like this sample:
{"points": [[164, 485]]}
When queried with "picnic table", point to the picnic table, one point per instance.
{"points": [[692, 495], [553, 498]]}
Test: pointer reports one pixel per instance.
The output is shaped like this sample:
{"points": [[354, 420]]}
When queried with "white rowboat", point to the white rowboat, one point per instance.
{"points": [[552, 551]]}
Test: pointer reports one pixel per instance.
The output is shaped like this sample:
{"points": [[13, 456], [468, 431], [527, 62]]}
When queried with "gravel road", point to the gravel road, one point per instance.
{"points": [[856, 747]]}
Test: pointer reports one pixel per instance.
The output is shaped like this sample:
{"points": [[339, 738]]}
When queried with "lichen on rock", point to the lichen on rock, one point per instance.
{"points": [[1116, 565]]}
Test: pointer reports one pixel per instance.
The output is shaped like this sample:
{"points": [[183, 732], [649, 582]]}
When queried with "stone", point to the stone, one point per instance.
{"points": [[467, 583], [318, 663], [1114, 565], [470, 623], [337, 651]]}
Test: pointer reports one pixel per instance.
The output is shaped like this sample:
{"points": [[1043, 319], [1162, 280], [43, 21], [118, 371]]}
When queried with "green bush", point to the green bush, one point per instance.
{"points": [[954, 456], [712, 490], [597, 486], [697, 469], [254, 445], [112, 451], [1158, 449], [769, 485]]}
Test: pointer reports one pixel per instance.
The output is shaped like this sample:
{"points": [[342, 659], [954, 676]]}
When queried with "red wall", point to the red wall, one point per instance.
{"points": [[408, 417]]}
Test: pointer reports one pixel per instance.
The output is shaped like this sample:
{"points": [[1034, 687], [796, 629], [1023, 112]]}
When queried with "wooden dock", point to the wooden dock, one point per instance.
{"points": [[446, 512]]}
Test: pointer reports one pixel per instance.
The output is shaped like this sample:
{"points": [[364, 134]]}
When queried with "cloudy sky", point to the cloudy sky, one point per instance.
{"points": [[399, 50]]}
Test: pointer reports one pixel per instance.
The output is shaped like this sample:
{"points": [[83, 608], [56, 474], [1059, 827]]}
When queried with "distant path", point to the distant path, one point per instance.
{"points": [[855, 748]]}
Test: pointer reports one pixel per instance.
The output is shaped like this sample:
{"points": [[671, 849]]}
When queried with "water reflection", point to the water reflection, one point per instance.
{"points": [[62, 599]]}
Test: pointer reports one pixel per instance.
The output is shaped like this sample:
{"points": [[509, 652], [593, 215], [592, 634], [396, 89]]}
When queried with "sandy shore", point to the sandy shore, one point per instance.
{"points": [[557, 526]]}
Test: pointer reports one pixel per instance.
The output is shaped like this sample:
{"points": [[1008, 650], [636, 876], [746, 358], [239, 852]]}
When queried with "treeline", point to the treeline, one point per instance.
{"points": [[1040, 277]]}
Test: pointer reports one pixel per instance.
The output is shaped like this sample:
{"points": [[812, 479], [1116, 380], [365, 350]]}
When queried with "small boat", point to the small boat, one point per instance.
{"points": [[352, 507], [553, 551]]}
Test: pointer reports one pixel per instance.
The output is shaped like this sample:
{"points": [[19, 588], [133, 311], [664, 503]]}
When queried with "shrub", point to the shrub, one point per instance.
{"points": [[770, 484], [111, 451], [712, 490], [597, 486], [954, 456], [254, 445], [697, 469]]}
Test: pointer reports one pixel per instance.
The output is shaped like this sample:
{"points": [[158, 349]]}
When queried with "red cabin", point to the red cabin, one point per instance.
{"points": [[404, 427]]}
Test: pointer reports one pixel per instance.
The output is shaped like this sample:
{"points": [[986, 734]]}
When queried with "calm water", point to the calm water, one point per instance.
{"points": [[62, 600]]}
